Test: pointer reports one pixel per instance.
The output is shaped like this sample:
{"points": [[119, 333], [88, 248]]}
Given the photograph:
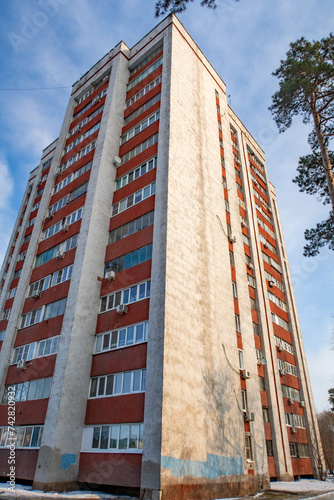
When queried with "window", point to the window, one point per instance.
{"points": [[55, 309], [52, 252], [283, 345], [17, 274], [126, 296], [131, 259], [36, 349], [90, 104], [31, 222], [131, 227], [78, 192], [146, 60], [2, 335], [231, 258], [265, 414], [253, 303], [267, 244], [269, 446], [62, 275], [46, 312], [72, 177], [234, 289], [113, 438], [82, 137], [123, 337], [140, 148], [272, 262], [244, 400], [293, 449], [286, 367], [31, 318], [276, 282], [63, 224], [248, 445], [140, 127], [144, 74], [245, 239], [291, 393], [142, 108], [22, 256], [241, 359], [144, 91], [237, 323], [256, 329], [47, 164], [136, 173], [259, 354], [227, 206], [277, 301], [262, 384], [229, 229], [27, 391], [85, 120], [74, 158], [279, 321], [24, 436], [118, 383], [294, 420], [266, 228], [133, 199], [251, 281], [6, 313], [12, 293]]}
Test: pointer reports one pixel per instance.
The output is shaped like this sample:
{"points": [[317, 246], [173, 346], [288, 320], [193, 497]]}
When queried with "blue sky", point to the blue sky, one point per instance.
{"points": [[51, 43]]}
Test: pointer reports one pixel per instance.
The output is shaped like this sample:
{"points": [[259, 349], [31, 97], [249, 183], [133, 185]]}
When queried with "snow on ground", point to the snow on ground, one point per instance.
{"points": [[23, 491], [303, 485]]}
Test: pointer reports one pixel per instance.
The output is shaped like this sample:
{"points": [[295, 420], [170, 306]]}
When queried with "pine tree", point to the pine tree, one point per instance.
{"points": [[306, 88]]}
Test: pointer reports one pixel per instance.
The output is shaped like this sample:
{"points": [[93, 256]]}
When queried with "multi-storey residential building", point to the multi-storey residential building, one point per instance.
{"points": [[149, 331]]}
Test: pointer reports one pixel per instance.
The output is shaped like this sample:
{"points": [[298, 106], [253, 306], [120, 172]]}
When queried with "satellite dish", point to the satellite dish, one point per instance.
{"points": [[117, 161], [263, 361]]}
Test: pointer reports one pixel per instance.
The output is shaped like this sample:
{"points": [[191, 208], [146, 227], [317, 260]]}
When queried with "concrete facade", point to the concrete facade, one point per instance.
{"points": [[216, 399]]}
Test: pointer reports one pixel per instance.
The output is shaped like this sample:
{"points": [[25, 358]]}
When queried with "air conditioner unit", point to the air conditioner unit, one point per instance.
{"points": [[58, 172], [290, 401], [293, 429], [282, 372], [94, 84], [249, 416], [105, 79], [271, 283], [265, 246], [250, 265], [302, 404], [279, 347], [60, 254], [50, 215], [245, 374], [75, 130], [64, 228], [122, 308], [110, 275], [22, 364], [259, 362], [37, 294], [232, 239]]}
